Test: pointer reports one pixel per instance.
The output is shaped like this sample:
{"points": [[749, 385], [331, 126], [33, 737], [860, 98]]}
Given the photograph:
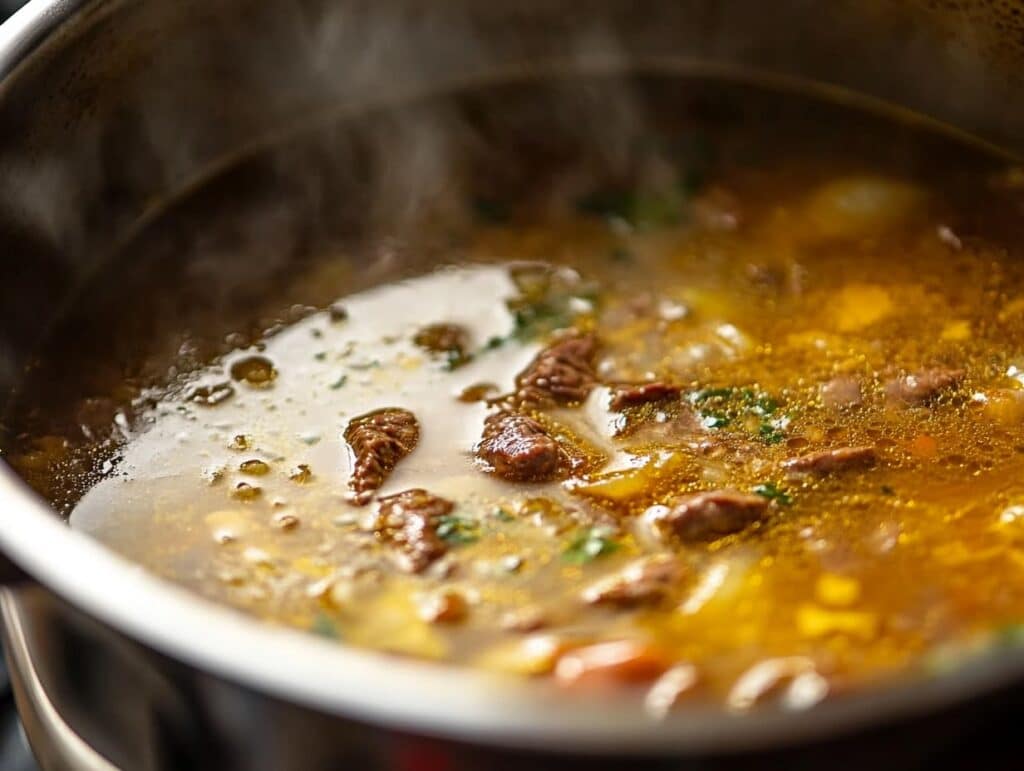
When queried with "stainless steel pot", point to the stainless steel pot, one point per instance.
{"points": [[110, 108]]}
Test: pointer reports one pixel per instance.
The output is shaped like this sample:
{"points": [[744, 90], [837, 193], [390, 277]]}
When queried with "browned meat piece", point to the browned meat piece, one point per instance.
{"points": [[631, 395], [839, 392], [378, 441], [562, 373], [409, 520], [517, 448], [646, 580], [922, 387], [441, 338], [828, 461], [708, 515], [675, 424]]}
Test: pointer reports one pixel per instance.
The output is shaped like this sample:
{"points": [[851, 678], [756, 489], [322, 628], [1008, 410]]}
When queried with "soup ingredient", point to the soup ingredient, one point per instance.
{"points": [[448, 340], [841, 392], [410, 521], [921, 388], [624, 396], [793, 680], [830, 461], [518, 448], [610, 663], [378, 440], [707, 515], [646, 580], [444, 607], [562, 373]]}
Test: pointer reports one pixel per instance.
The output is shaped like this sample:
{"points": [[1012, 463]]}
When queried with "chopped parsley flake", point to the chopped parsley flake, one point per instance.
{"points": [[455, 529], [589, 546], [773, 492]]}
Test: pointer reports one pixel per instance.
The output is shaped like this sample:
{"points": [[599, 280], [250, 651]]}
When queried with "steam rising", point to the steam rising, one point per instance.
{"points": [[140, 104]]}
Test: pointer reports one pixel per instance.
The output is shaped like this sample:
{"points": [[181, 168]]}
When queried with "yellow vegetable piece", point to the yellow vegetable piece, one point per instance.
{"points": [[861, 206], [813, 621], [395, 626], [632, 483], [839, 590], [534, 655], [311, 566], [1005, 406], [861, 305]]}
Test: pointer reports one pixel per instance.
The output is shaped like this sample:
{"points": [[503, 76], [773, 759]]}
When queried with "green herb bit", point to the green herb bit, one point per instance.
{"points": [[759, 404], [455, 529], [705, 394], [324, 626], [502, 515], [712, 419], [773, 431], [769, 433], [773, 492], [320, 355], [455, 358], [548, 300], [589, 546], [494, 343], [534, 321], [339, 382]]}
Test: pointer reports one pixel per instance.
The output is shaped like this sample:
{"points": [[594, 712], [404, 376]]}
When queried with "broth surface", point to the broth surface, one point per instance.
{"points": [[798, 278]]}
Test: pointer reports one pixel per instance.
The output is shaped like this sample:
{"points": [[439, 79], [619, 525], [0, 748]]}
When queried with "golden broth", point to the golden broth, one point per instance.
{"points": [[803, 256]]}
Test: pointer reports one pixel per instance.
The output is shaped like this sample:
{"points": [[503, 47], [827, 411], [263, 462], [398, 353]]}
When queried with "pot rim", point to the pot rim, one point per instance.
{"points": [[433, 699]]}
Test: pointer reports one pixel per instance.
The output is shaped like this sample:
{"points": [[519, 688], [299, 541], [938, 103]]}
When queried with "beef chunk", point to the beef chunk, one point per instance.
{"points": [[441, 338], [643, 393], [921, 388], [839, 392], [517, 448], [449, 340], [708, 515], [563, 373], [378, 441], [409, 520], [647, 580], [828, 461]]}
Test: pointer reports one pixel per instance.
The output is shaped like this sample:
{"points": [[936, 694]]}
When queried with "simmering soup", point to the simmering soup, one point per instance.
{"points": [[727, 406]]}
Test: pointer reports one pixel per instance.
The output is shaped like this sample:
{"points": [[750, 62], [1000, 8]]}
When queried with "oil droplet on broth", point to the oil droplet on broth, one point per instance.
{"points": [[254, 467], [301, 474], [246, 492], [256, 371]]}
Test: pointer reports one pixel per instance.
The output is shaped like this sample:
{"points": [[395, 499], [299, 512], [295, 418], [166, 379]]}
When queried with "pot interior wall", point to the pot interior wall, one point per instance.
{"points": [[131, 102]]}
